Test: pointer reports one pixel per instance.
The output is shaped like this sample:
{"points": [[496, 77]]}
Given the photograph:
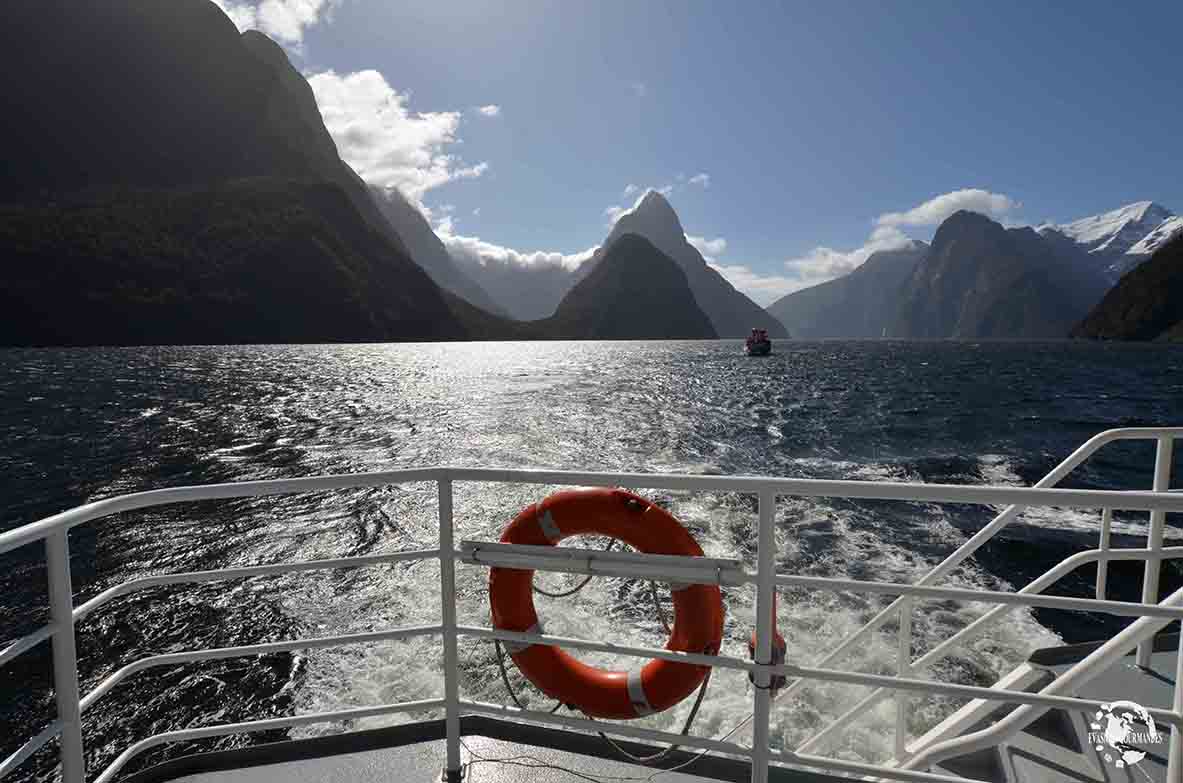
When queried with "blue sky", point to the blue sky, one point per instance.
{"points": [[809, 120]]}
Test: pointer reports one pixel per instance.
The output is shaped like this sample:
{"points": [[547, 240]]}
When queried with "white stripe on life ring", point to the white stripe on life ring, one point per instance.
{"points": [[549, 528], [636, 694]]}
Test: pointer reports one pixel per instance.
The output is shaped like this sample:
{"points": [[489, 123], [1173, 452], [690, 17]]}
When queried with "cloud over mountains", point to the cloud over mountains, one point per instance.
{"points": [[283, 20], [385, 142]]}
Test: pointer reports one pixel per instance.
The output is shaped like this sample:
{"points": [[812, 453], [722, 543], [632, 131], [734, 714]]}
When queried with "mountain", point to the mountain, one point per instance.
{"points": [[243, 261], [859, 305], [173, 181], [1117, 241], [427, 250], [634, 292], [980, 280], [1146, 304], [732, 314]]}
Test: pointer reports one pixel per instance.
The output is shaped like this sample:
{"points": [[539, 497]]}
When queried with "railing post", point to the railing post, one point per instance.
{"points": [[1103, 546], [761, 678], [453, 772], [1175, 752], [1162, 482], [65, 656], [904, 658]]}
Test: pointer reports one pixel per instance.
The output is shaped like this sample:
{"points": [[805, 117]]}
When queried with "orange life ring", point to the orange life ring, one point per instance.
{"points": [[698, 609]]}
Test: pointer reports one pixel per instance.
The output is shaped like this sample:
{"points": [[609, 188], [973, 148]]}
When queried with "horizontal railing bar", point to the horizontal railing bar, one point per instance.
{"points": [[791, 670], [469, 546], [875, 772], [1131, 500], [262, 725], [237, 573], [27, 642], [698, 659], [228, 491], [1121, 608], [572, 560], [29, 748], [971, 691], [624, 730], [189, 656]]}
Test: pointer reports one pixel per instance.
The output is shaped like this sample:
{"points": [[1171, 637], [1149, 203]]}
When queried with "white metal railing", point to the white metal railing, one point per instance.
{"points": [[1153, 615]]}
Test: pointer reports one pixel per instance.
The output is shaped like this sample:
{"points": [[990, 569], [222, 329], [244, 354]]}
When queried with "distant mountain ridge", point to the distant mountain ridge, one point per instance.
{"points": [[858, 305], [982, 281], [979, 280], [1117, 241]]}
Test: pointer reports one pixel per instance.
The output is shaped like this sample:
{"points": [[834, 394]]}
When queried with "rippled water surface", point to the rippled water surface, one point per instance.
{"points": [[80, 425]]}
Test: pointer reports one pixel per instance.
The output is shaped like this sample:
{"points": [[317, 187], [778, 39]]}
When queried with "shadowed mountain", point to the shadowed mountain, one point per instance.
{"points": [[858, 305], [1146, 304], [427, 250], [980, 280], [732, 313], [250, 261], [634, 292], [173, 181]]}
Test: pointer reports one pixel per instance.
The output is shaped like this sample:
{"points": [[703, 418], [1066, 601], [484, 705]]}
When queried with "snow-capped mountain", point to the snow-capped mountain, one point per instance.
{"points": [[1120, 240]]}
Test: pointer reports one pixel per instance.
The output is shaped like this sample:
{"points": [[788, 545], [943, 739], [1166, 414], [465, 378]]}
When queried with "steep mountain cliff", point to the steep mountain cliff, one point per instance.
{"points": [[980, 280], [859, 305], [427, 250], [1146, 304], [732, 313], [174, 181]]}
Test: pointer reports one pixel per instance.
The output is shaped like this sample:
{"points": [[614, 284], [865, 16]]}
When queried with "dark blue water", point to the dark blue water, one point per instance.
{"points": [[79, 425]]}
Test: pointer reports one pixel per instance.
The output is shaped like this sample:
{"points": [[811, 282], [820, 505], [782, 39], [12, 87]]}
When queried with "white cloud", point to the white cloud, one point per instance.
{"points": [[638, 88], [763, 289], [476, 250], [386, 143], [491, 110], [825, 263], [614, 213], [703, 179], [935, 210], [284, 20], [631, 189], [708, 247], [476, 212]]}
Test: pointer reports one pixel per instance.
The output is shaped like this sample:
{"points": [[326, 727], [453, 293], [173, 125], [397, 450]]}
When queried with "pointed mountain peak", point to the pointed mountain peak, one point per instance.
{"points": [[651, 212], [654, 218], [653, 203]]}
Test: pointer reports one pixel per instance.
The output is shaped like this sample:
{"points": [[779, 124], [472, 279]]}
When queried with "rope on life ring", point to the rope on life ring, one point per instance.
{"points": [[698, 609]]}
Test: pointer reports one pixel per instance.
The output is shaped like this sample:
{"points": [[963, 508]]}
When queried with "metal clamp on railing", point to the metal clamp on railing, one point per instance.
{"points": [[675, 569]]}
